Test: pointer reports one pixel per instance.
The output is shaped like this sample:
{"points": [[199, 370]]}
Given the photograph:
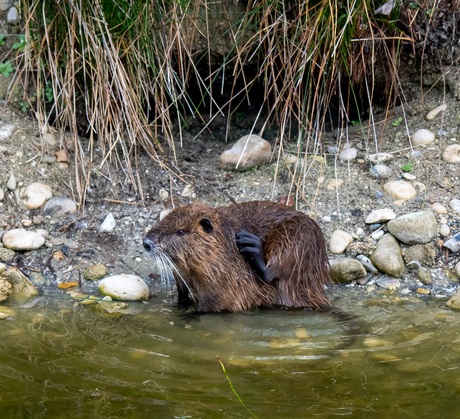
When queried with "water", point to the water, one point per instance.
{"points": [[61, 359]]}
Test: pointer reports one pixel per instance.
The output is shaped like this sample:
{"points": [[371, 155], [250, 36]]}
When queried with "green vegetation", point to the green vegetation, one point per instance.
{"points": [[132, 65]]}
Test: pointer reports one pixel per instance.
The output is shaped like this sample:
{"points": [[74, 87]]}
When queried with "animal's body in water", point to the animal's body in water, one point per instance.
{"points": [[242, 256]]}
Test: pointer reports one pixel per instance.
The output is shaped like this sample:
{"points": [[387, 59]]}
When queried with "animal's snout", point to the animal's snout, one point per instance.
{"points": [[149, 244]]}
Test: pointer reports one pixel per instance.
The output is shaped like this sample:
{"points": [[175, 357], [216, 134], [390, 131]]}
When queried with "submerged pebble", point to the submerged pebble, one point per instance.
{"points": [[124, 287]]}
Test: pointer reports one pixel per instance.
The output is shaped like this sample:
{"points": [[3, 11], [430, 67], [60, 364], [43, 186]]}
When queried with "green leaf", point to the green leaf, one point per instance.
{"points": [[396, 122], [6, 68], [21, 44], [408, 167]]}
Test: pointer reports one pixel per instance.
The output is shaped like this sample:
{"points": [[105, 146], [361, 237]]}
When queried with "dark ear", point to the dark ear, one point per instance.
{"points": [[207, 225]]}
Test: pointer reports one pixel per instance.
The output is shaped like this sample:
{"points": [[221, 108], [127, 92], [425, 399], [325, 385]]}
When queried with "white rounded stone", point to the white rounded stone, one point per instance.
{"points": [[444, 230], [339, 241], [248, 152], [400, 189], [434, 112], [20, 239], [124, 287], [438, 208], [35, 195], [422, 137], [451, 153], [348, 154]]}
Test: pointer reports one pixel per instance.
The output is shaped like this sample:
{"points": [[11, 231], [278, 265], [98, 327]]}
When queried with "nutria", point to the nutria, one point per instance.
{"points": [[242, 256]]}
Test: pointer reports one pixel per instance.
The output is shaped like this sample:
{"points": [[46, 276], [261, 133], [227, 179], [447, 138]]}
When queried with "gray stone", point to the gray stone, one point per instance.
{"points": [[367, 263], [20, 239], [248, 152], [346, 270], [380, 216], [454, 204], [348, 154], [59, 207], [388, 283], [387, 256], [124, 287], [380, 157], [414, 228], [380, 171]]}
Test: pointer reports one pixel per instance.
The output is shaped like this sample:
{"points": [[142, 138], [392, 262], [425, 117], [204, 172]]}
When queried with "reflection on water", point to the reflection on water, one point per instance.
{"points": [[58, 359]]}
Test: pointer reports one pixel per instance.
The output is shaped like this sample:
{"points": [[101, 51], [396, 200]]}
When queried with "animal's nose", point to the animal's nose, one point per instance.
{"points": [[148, 244]]}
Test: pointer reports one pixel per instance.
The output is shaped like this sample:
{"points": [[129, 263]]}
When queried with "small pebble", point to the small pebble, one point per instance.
{"points": [[444, 230], [11, 184], [348, 154], [433, 113], [439, 208], [108, 224]]}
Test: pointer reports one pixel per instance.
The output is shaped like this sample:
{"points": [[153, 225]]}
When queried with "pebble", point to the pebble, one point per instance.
{"points": [[6, 131], [454, 302], [388, 283], [409, 176], [108, 225], [95, 272], [414, 228], [59, 207], [6, 312], [20, 239], [380, 216], [380, 157], [454, 204], [339, 241], [335, 184], [2, 194], [457, 269], [188, 192], [444, 230], [124, 287], [346, 270], [438, 208], [367, 263], [248, 152], [348, 154], [400, 189], [11, 184], [433, 113], [451, 153], [453, 244], [380, 171], [422, 137], [377, 235], [387, 256], [35, 195], [424, 274]]}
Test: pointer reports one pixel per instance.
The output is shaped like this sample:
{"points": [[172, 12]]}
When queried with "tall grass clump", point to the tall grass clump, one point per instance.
{"points": [[121, 71]]}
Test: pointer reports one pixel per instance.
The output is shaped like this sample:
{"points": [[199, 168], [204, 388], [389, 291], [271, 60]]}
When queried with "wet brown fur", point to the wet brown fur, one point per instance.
{"points": [[220, 279]]}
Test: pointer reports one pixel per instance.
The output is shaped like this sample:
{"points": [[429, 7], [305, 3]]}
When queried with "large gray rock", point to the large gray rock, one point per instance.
{"points": [[346, 270], [387, 256], [248, 152], [414, 228], [21, 287]]}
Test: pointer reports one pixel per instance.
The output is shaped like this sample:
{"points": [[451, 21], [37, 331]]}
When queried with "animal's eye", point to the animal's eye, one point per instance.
{"points": [[180, 232]]}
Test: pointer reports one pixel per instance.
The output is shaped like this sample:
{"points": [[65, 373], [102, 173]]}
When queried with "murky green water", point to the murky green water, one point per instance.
{"points": [[58, 359]]}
